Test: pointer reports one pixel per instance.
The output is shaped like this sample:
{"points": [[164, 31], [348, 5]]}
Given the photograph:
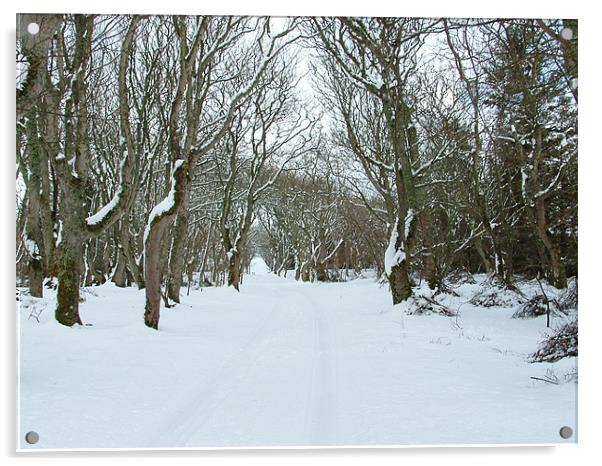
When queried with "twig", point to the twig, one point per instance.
{"points": [[545, 380]]}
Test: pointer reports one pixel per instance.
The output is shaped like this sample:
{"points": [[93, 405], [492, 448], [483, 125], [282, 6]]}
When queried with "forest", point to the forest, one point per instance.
{"points": [[163, 152]]}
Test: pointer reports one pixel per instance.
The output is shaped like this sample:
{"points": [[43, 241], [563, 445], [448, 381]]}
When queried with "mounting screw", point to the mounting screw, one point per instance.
{"points": [[32, 437], [566, 432], [566, 33], [33, 28]]}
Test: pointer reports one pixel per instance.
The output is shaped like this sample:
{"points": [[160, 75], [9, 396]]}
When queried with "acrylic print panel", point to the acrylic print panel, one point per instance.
{"points": [[268, 232]]}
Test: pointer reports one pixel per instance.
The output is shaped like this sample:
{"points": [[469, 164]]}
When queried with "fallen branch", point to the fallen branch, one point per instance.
{"points": [[545, 380]]}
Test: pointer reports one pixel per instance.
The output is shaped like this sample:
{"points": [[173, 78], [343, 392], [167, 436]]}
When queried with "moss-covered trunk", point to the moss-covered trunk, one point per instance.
{"points": [[399, 281], [69, 276]]}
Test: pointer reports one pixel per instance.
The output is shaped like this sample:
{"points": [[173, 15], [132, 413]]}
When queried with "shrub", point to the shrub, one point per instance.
{"points": [[535, 307], [560, 344]]}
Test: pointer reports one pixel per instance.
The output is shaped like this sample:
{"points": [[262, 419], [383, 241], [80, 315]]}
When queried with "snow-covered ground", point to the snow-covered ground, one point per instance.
{"points": [[284, 363]]}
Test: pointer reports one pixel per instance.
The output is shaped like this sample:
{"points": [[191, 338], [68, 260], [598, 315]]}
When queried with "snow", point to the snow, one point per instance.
{"points": [[22, 71], [166, 203], [258, 266], [393, 256], [71, 163], [99, 216], [524, 179], [408, 222], [552, 184], [59, 235], [230, 253], [284, 363], [31, 247]]}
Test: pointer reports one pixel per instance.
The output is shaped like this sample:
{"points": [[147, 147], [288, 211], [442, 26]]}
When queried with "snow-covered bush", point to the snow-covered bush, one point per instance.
{"points": [[496, 295], [445, 289], [534, 307], [563, 342], [568, 299], [461, 276], [425, 305]]}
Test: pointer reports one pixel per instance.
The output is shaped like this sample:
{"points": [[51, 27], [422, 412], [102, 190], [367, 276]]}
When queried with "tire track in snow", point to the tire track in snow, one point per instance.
{"points": [[205, 398], [320, 407]]}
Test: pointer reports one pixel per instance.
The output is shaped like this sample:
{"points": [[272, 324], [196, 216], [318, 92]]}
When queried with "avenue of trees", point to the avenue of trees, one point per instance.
{"points": [[164, 152]]}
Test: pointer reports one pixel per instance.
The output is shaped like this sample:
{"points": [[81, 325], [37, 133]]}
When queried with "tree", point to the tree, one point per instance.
{"points": [[184, 157]]}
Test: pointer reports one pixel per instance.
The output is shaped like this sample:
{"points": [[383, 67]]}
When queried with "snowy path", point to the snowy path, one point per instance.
{"points": [[285, 363], [287, 359]]}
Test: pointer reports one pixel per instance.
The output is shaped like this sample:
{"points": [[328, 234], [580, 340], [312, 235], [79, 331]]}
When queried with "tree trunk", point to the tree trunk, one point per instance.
{"points": [[152, 273], [304, 272], [177, 252], [70, 252], [36, 278], [558, 270], [132, 265], [397, 271], [96, 264], [478, 242], [33, 231], [158, 223], [69, 277], [234, 269], [321, 275], [430, 268], [120, 274], [399, 281]]}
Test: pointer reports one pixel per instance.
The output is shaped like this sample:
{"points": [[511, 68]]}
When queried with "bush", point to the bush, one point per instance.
{"points": [[568, 299], [495, 295], [425, 305], [460, 276], [535, 307], [561, 344]]}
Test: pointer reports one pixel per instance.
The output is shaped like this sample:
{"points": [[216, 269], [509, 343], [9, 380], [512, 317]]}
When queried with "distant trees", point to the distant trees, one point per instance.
{"points": [[268, 132], [164, 151]]}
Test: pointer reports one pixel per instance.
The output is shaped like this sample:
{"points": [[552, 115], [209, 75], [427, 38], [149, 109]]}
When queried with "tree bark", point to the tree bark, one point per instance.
{"points": [[35, 47], [70, 253], [321, 275], [398, 275], [478, 242], [35, 272], [430, 267], [558, 270], [152, 272], [120, 275], [178, 251], [234, 270], [399, 281], [33, 230]]}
